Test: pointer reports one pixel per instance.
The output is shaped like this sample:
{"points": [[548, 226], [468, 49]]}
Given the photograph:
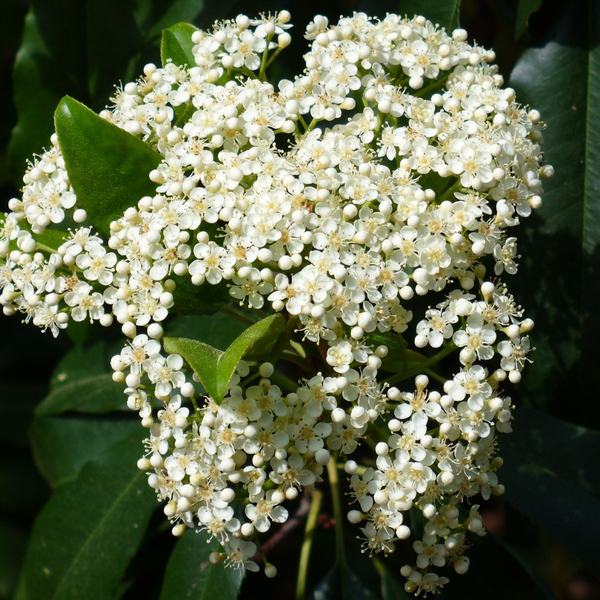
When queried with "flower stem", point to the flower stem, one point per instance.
{"points": [[421, 367], [337, 512], [434, 375], [450, 191], [45, 248], [431, 87], [309, 534]]}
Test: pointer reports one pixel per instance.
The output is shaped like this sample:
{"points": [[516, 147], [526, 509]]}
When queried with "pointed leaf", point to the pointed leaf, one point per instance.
{"points": [[444, 13], [188, 11], [391, 588], [35, 93], [215, 368], [524, 11], [107, 166], [342, 583], [83, 48], [84, 538], [550, 473], [191, 299], [202, 358], [523, 584], [399, 358], [83, 382], [176, 45], [63, 445], [219, 329], [558, 283], [253, 338], [256, 342], [190, 575]]}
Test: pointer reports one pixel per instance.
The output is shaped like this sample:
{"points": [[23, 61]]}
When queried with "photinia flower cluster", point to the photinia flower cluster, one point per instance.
{"points": [[392, 168]]}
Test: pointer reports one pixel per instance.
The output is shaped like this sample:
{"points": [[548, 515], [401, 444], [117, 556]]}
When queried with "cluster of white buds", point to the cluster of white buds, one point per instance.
{"points": [[410, 190]]}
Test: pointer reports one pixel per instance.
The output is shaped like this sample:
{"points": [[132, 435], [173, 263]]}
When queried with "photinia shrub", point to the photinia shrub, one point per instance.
{"points": [[355, 220]]}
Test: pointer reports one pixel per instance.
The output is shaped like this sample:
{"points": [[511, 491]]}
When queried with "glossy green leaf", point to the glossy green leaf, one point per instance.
{"points": [[342, 583], [444, 13], [176, 45], [215, 367], [511, 578], [399, 358], [202, 358], [107, 166], [525, 9], [219, 329], [62, 445], [40, 81], [191, 299], [84, 538], [550, 474], [82, 382], [391, 587], [190, 575], [558, 281], [154, 17], [256, 343], [84, 48]]}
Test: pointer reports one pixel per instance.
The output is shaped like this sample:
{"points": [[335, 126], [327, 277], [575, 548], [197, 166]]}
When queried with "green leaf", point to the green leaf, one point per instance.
{"points": [[190, 575], [176, 45], [256, 343], [214, 367], [558, 282], [84, 48], [391, 588], [522, 584], [191, 299], [550, 474], [63, 445], [399, 358], [107, 166], [525, 9], [164, 14], [342, 583], [52, 238], [202, 358], [82, 382], [36, 91], [219, 329], [444, 13], [84, 538]]}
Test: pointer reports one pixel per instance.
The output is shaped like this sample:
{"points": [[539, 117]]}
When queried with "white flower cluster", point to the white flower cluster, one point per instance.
{"points": [[411, 190]]}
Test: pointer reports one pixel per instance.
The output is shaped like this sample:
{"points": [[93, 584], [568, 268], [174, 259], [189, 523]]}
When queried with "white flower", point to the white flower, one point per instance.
{"points": [[97, 264], [340, 356], [514, 353], [84, 301], [264, 511], [212, 260], [476, 337], [165, 373]]}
